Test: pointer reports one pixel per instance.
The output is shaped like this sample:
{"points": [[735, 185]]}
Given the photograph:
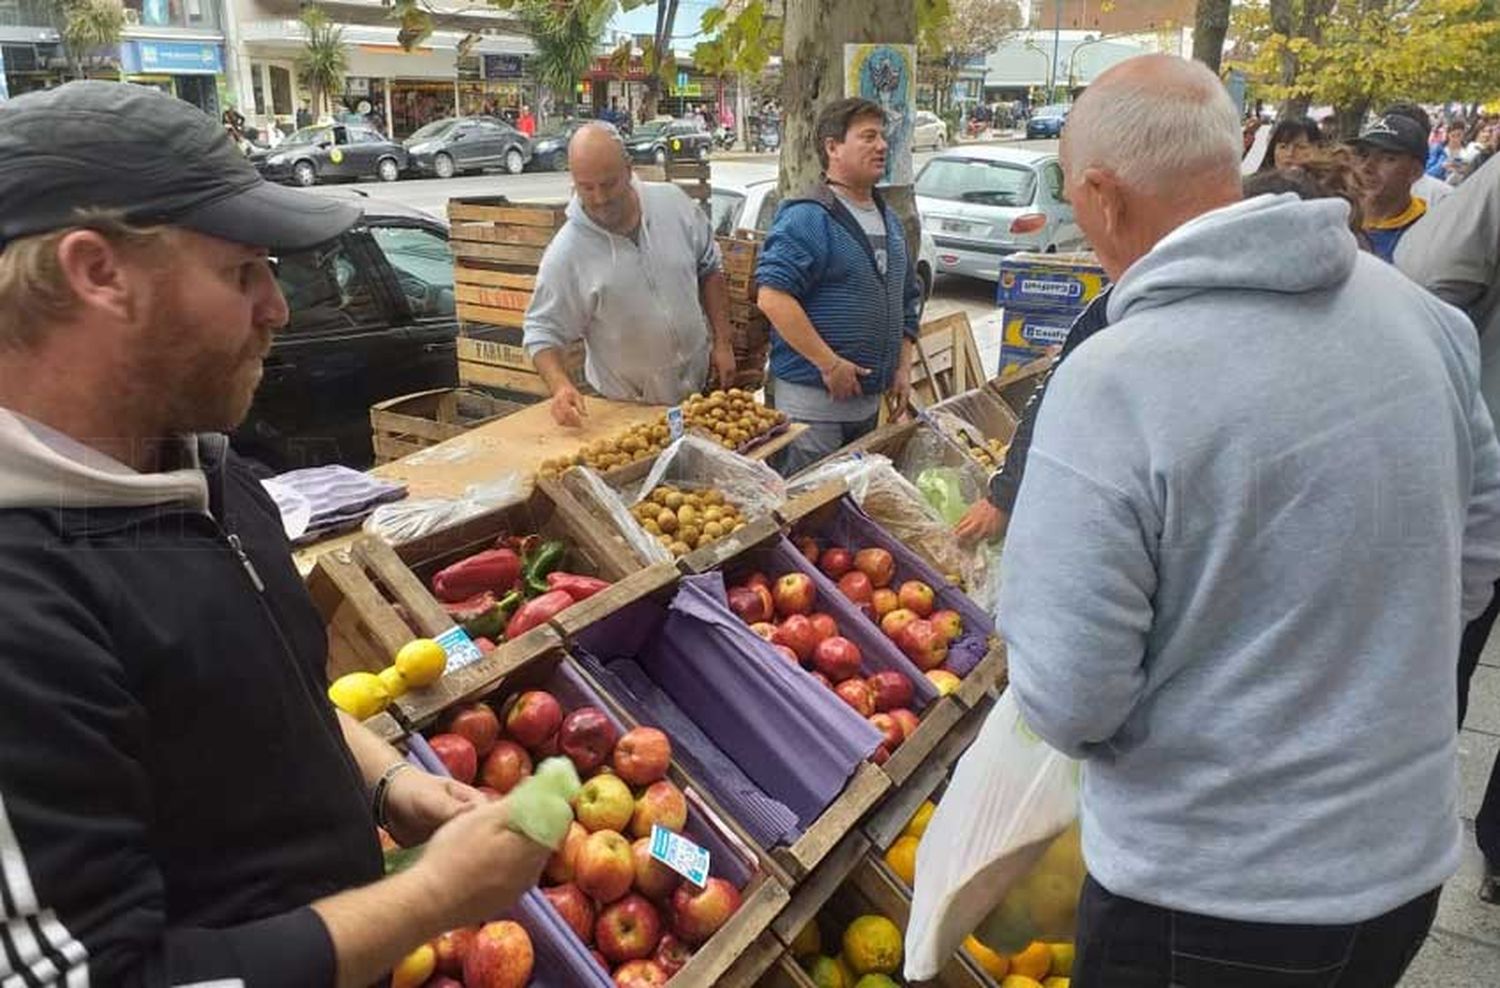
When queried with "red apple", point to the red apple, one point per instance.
{"points": [[587, 736], [451, 949], [945, 681], [550, 747], [794, 593], [908, 721], [877, 564], [798, 634], [642, 756], [575, 908], [948, 623], [765, 629], [881, 755], [501, 957], [443, 981], [457, 755], [836, 561], [893, 622], [883, 601], [917, 597], [478, 723], [886, 725], [823, 679], [891, 689], [921, 643], [605, 869], [641, 974], [534, 716], [787, 654], [824, 624], [698, 913], [598, 959], [855, 693], [604, 803], [808, 546], [837, 658], [672, 954], [662, 803], [628, 930], [758, 579], [856, 586], [505, 766], [560, 867], [746, 602], [653, 879]]}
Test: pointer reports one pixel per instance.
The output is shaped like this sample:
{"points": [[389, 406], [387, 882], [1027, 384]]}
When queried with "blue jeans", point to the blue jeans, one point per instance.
{"points": [[820, 439], [1123, 943]]}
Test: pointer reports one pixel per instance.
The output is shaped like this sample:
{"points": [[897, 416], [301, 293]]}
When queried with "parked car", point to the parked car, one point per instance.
{"points": [[984, 202], [549, 148], [661, 141], [752, 206], [452, 145], [1047, 121], [313, 154], [372, 317], [928, 131]]}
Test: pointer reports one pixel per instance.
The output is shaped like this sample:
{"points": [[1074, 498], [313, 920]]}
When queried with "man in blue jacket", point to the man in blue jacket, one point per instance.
{"points": [[839, 284]]}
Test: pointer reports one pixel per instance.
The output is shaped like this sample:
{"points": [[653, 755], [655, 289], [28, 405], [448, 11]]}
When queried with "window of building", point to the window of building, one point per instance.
{"points": [[258, 89], [281, 91]]}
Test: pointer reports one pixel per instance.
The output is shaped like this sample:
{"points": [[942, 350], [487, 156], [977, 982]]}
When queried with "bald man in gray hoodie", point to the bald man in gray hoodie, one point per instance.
{"points": [[1237, 572]]}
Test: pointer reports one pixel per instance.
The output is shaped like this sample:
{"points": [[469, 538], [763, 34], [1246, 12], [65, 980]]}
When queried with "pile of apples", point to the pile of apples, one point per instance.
{"points": [[639, 917], [907, 614], [783, 614]]}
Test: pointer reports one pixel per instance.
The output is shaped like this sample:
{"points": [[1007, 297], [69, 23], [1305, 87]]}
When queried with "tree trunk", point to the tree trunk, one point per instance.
{"points": [[1210, 26], [812, 70]]}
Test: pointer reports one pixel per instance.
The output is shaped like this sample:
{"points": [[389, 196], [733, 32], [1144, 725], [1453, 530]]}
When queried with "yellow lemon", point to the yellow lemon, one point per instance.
{"points": [[395, 683], [875, 981], [872, 945], [1057, 983], [421, 662], [1062, 959], [917, 825], [359, 694], [415, 968], [1034, 962], [809, 941], [1020, 981], [826, 972], [902, 859], [996, 965]]}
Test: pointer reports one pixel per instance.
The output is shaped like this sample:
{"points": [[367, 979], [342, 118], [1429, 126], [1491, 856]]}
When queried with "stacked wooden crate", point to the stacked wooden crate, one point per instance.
{"points": [[689, 176], [497, 248], [751, 328]]}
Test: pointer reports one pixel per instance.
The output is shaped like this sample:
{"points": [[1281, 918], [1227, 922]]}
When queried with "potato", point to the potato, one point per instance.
{"points": [[650, 525], [687, 515], [713, 530], [688, 534], [667, 522], [659, 496], [680, 548], [674, 500], [712, 513], [712, 496]]}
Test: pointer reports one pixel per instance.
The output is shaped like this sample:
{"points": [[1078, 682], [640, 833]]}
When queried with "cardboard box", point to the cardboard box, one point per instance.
{"points": [[1050, 282]]}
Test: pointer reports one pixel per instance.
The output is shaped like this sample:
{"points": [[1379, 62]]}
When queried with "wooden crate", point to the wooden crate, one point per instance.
{"points": [[1016, 385], [495, 358], [405, 425], [692, 177], [491, 298], [497, 246], [872, 886], [946, 360]]}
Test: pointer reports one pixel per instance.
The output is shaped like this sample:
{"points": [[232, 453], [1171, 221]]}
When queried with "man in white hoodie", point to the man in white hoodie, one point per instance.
{"points": [[1237, 572]]}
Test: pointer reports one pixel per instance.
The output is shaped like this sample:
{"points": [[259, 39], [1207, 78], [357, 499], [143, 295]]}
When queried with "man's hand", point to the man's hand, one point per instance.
{"points": [[900, 392], [418, 803], [983, 521], [841, 378], [567, 407], [476, 867], [724, 365]]}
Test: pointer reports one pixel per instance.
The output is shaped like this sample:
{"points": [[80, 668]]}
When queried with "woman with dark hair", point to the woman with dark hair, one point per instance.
{"points": [[1290, 142], [1322, 174]]}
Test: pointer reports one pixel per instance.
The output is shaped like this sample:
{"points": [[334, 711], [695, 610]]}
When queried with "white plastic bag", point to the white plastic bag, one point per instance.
{"points": [[1011, 797], [411, 519]]}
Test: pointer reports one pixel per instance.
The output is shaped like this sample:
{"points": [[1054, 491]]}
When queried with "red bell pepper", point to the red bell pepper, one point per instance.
{"points": [[576, 586], [536, 612], [495, 570]]}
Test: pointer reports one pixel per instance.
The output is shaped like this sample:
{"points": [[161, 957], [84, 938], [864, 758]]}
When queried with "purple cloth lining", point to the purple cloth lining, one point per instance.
{"points": [[880, 654], [852, 528]]}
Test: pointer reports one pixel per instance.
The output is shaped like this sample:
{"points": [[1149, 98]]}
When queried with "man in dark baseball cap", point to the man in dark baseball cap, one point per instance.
{"points": [[1392, 152], [180, 803]]}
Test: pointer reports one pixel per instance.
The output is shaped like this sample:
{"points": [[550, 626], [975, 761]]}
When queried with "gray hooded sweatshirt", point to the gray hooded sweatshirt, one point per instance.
{"points": [[634, 303], [1256, 513]]}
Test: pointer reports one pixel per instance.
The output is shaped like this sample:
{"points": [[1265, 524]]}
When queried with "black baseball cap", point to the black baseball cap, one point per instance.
{"points": [[157, 159], [1394, 132]]}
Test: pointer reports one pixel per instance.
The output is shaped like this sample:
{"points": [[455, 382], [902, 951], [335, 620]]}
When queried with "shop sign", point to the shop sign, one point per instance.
{"points": [[358, 85], [502, 66], [171, 57]]}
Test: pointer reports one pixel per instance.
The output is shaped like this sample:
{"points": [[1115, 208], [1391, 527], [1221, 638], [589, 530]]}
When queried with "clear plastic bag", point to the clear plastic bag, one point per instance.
{"points": [[411, 519], [605, 503], [1000, 858]]}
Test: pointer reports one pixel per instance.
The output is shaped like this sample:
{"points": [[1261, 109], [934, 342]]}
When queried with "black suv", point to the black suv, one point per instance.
{"points": [[661, 141], [372, 317]]}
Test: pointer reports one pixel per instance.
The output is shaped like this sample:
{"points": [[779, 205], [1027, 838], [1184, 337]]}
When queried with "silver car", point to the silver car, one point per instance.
{"points": [[983, 203]]}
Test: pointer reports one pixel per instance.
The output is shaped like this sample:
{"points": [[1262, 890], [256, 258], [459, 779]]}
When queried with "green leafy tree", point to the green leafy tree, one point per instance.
{"points": [[566, 35], [415, 20], [740, 45], [85, 27], [952, 33], [322, 63], [657, 55]]}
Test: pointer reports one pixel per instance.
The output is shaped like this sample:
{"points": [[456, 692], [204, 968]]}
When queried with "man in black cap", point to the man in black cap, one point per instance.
{"points": [[1392, 153], [179, 802]]}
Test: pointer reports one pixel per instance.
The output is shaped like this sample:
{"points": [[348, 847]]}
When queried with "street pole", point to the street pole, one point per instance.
{"points": [[1056, 46]]}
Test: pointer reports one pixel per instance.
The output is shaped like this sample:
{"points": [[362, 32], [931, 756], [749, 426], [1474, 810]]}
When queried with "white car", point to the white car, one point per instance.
{"points": [[928, 131], [752, 206]]}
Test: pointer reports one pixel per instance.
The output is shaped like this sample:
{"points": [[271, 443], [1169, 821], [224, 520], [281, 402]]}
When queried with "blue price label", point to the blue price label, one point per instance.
{"points": [[680, 854], [675, 421], [460, 648]]}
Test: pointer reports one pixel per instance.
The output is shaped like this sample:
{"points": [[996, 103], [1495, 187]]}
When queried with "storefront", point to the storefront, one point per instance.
{"points": [[28, 67], [189, 70]]}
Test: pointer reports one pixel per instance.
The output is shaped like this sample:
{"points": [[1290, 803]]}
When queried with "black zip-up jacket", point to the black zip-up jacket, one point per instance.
{"points": [[174, 786]]}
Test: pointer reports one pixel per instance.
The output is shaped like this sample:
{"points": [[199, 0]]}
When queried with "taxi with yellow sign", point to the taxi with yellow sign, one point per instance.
{"points": [[661, 141], [313, 154]]}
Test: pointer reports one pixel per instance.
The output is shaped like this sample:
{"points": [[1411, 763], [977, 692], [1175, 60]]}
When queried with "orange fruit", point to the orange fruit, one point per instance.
{"points": [[1062, 959], [415, 968], [872, 945], [917, 825], [902, 860], [1020, 981], [1034, 962], [809, 941], [993, 963]]}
